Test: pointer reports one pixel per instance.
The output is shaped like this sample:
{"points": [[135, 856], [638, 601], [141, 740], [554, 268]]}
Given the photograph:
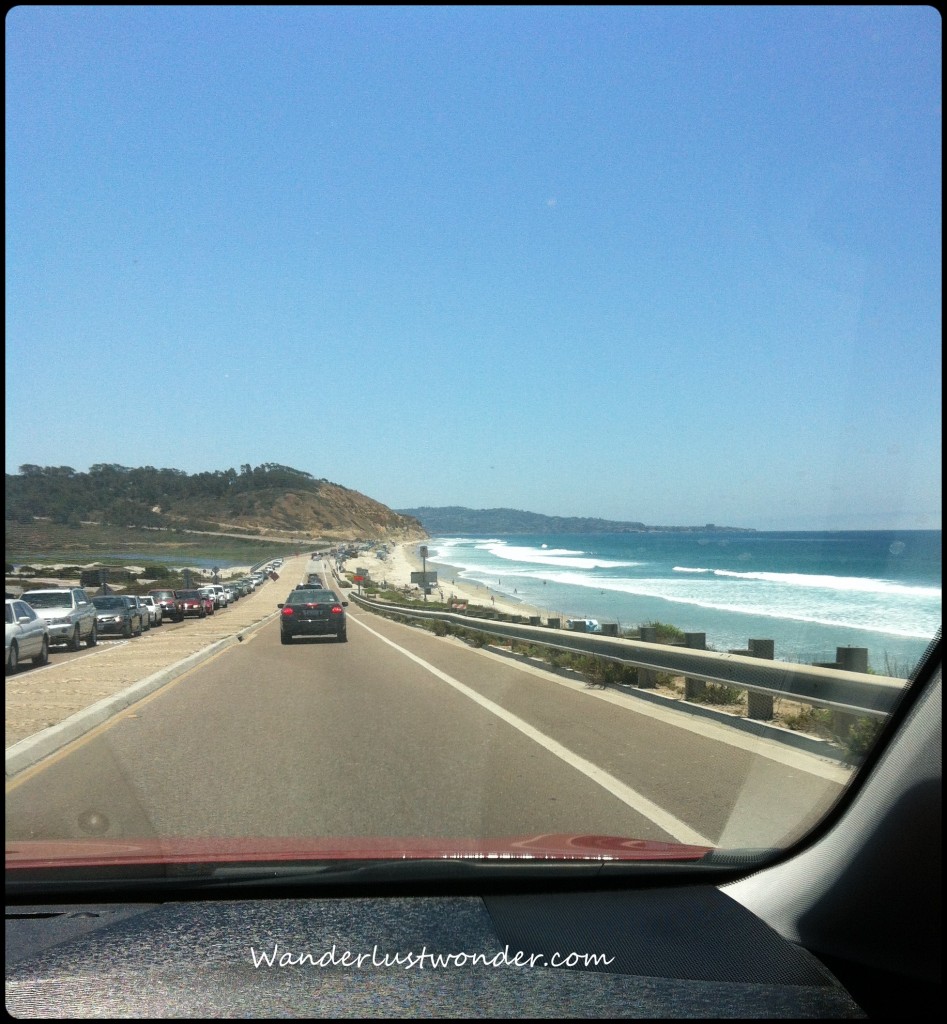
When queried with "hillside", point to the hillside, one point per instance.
{"points": [[455, 519], [266, 500]]}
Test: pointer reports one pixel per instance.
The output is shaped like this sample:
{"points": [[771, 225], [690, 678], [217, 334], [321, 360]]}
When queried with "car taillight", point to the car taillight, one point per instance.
{"points": [[287, 611], [337, 609]]}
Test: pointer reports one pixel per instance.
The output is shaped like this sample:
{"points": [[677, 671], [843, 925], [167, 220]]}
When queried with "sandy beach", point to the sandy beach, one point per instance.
{"points": [[403, 559]]}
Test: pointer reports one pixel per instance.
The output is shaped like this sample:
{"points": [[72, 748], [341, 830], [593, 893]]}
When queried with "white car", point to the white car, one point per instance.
{"points": [[69, 614], [215, 594], [26, 635], [139, 605], [153, 609]]}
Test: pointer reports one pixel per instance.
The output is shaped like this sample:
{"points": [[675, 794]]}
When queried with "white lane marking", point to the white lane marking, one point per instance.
{"points": [[682, 832], [759, 746]]}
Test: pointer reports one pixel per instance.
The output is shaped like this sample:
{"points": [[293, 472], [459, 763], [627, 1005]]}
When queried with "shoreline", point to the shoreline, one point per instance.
{"points": [[403, 559], [726, 630]]}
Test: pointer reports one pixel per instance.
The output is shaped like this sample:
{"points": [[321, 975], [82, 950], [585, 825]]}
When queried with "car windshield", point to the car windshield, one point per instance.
{"points": [[48, 600], [627, 322]]}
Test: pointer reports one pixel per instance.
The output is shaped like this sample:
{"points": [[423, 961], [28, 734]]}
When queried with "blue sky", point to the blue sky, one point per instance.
{"points": [[676, 265]]}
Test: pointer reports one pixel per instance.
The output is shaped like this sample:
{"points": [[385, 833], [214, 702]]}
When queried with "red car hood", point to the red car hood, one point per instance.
{"points": [[88, 852]]}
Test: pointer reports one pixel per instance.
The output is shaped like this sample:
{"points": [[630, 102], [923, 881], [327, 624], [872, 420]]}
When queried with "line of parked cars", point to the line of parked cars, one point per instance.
{"points": [[39, 619]]}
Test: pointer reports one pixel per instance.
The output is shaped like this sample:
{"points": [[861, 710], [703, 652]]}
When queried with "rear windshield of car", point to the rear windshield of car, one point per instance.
{"points": [[310, 596]]}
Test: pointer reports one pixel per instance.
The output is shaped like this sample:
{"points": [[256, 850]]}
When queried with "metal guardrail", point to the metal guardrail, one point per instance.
{"points": [[853, 693]]}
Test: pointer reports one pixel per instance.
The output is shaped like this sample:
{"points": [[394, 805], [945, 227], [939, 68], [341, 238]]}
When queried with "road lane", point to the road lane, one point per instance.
{"points": [[326, 739]]}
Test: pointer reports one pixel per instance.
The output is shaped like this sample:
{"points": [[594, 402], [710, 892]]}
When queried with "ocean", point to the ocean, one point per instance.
{"points": [[810, 592]]}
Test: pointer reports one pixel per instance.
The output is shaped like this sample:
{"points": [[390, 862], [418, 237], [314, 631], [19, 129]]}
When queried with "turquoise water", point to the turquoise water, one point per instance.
{"points": [[810, 592]]}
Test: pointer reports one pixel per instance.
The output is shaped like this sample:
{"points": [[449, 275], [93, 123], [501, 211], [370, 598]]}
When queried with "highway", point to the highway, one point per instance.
{"points": [[401, 733]]}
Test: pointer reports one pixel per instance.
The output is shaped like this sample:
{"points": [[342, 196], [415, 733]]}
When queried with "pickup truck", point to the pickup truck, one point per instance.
{"points": [[68, 612]]}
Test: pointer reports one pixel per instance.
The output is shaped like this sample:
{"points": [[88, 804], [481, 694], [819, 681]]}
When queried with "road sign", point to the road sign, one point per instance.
{"points": [[358, 579]]}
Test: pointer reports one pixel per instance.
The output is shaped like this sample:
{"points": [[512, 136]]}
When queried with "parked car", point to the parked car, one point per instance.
{"points": [[220, 592], [116, 613], [193, 602], [154, 610], [210, 599], [309, 612], [69, 614], [26, 635], [584, 625], [169, 603], [141, 610]]}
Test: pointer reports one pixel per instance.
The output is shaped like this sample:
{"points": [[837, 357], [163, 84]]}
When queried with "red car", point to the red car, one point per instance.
{"points": [[193, 602], [169, 603]]}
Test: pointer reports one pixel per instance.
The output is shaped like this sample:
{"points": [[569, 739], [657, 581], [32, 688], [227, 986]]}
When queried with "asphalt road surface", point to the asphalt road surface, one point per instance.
{"points": [[401, 733]]}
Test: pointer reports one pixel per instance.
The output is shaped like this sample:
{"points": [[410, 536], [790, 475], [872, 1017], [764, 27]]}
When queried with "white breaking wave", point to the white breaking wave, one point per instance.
{"points": [[872, 605], [913, 619], [856, 584], [557, 557]]}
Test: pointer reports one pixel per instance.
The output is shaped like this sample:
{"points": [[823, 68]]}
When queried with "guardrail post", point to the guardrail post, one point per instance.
{"points": [[848, 659], [852, 659], [647, 677], [759, 706], [695, 688]]}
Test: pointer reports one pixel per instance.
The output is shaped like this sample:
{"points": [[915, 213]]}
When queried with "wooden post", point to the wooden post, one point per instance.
{"points": [[695, 688], [759, 706]]}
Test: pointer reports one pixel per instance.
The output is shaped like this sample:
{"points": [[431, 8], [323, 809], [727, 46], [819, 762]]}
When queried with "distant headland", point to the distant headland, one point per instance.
{"points": [[457, 519]]}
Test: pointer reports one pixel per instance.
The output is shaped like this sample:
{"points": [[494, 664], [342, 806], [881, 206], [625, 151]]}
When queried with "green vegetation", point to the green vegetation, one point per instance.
{"points": [[861, 738], [815, 721], [119, 495], [58, 543], [721, 695], [666, 633], [266, 497]]}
